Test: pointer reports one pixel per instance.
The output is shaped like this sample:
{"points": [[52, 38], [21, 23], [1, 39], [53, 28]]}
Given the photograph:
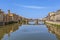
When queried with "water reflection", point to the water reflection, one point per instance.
{"points": [[55, 30], [29, 32], [8, 29]]}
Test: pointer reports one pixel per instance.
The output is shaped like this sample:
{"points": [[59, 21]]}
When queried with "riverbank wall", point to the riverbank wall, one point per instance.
{"points": [[53, 23]]}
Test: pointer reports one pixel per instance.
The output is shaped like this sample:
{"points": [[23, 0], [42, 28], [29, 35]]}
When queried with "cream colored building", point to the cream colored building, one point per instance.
{"points": [[51, 13], [54, 16], [57, 17]]}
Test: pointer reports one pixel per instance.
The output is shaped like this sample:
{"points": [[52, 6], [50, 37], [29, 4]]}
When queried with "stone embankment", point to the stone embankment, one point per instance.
{"points": [[51, 22]]}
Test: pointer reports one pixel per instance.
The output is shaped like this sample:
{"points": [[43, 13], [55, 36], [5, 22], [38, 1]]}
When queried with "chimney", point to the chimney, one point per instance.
{"points": [[8, 11]]}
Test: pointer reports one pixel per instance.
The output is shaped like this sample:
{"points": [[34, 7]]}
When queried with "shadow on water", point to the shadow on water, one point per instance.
{"points": [[55, 29], [8, 29]]}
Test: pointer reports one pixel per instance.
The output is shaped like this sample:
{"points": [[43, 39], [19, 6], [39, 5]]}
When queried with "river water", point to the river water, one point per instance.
{"points": [[29, 32]]}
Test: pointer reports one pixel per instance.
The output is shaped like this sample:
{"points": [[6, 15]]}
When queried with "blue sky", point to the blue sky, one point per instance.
{"points": [[30, 8]]}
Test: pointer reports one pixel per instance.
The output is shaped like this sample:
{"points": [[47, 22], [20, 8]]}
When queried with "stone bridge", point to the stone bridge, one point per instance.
{"points": [[36, 21]]}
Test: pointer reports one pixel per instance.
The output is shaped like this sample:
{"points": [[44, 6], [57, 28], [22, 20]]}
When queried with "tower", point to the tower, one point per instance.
{"points": [[8, 11]]}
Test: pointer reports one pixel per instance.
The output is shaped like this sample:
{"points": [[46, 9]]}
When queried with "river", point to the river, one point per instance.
{"points": [[29, 32]]}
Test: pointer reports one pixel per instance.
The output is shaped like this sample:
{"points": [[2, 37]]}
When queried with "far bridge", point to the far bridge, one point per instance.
{"points": [[36, 21]]}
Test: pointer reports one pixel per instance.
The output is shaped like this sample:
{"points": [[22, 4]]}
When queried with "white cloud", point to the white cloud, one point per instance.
{"points": [[32, 7], [35, 7]]}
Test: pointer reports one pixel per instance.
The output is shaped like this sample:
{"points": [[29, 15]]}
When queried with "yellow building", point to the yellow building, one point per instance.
{"points": [[12, 17]]}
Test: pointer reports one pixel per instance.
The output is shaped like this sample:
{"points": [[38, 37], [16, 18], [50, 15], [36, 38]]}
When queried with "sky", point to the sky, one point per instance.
{"points": [[30, 8]]}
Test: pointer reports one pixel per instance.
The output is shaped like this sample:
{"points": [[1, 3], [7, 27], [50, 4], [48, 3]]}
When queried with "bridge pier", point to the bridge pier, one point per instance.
{"points": [[36, 22], [26, 21]]}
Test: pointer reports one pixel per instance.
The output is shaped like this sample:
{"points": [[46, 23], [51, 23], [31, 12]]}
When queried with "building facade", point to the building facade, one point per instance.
{"points": [[54, 16]]}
